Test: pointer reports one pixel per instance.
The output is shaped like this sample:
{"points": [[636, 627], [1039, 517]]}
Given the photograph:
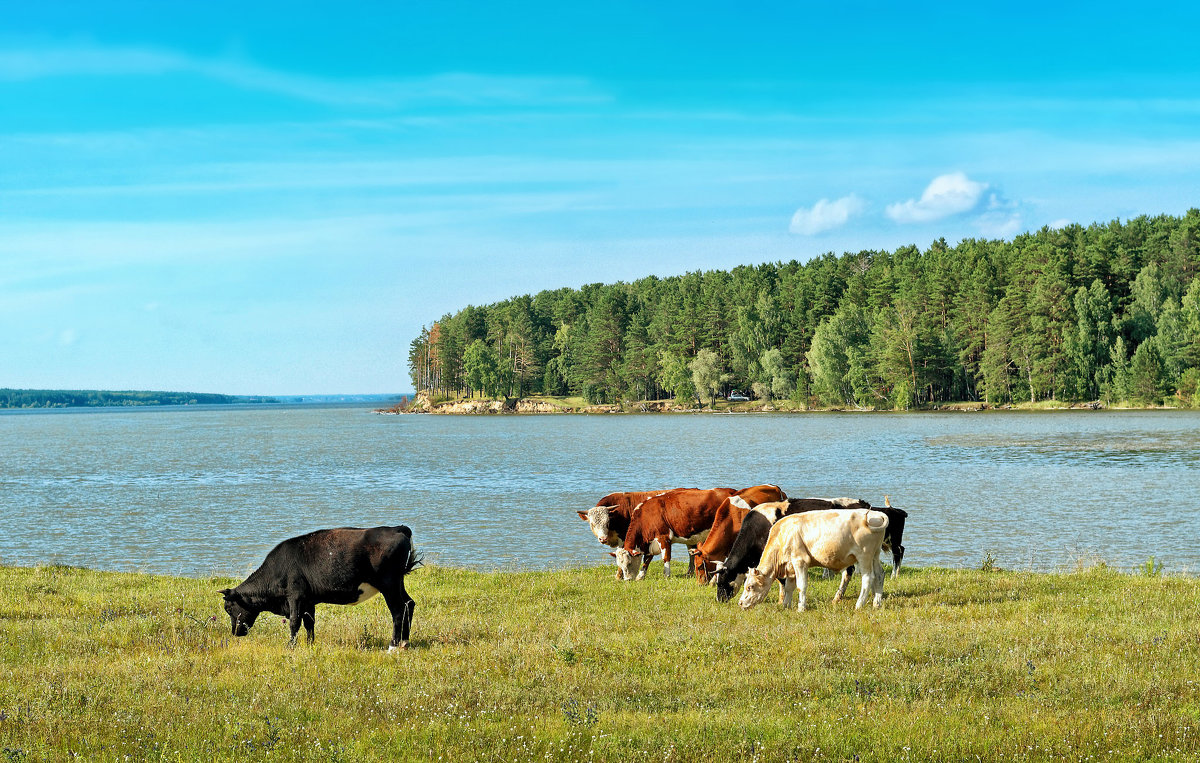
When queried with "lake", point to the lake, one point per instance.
{"points": [[204, 490]]}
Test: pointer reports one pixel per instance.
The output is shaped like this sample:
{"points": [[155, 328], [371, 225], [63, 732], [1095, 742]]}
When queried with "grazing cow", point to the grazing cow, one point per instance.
{"points": [[892, 541], [683, 516], [834, 539], [347, 565], [727, 523], [609, 518], [895, 533], [752, 537]]}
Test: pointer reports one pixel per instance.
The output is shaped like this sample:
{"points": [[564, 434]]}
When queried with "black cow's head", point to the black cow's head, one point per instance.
{"points": [[241, 617], [723, 580]]}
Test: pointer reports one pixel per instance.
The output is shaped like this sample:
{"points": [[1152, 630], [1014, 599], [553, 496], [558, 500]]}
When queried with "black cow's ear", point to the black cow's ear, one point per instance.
{"points": [[225, 592]]}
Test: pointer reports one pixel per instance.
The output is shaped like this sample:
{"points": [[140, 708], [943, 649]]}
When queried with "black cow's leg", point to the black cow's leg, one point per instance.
{"points": [[402, 607], [841, 591], [294, 627], [897, 557], [310, 623], [296, 611]]}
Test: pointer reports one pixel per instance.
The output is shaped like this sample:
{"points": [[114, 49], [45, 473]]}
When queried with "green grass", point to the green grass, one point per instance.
{"points": [[572, 665]]}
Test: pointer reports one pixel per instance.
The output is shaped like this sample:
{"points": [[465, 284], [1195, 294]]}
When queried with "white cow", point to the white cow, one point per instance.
{"points": [[834, 539]]}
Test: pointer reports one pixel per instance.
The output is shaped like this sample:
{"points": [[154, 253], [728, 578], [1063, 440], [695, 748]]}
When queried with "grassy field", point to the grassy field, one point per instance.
{"points": [[571, 665]]}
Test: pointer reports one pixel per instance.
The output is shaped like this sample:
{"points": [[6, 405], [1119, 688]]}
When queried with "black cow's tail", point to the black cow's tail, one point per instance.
{"points": [[415, 560]]}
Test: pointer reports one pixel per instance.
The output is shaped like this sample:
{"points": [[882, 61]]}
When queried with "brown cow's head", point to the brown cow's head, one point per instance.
{"points": [[704, 567], [241, 616], [627, 564], [597, 519]]}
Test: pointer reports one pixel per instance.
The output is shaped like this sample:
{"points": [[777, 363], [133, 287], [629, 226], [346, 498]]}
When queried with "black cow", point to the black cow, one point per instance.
{"points": [[346, 565], [747, 548], [894, 536]]}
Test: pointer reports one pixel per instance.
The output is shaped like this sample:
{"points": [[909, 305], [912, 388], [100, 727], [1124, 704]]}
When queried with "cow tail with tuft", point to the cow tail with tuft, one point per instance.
{"points": [[415, 560]]}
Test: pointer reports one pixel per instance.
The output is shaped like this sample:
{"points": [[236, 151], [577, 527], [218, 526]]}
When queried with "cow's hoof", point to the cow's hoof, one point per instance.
{"points": [[402, 647]]}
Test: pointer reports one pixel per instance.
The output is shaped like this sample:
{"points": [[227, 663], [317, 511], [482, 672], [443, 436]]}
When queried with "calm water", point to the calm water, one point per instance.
{"points": [[196, 491]]}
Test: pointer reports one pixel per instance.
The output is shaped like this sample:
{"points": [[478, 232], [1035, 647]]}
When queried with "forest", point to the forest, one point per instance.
{"points": [[57, 398], [1109, 312]]}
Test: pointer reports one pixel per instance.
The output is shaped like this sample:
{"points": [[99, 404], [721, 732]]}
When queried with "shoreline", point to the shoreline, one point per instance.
{"points": [[560, 406]]}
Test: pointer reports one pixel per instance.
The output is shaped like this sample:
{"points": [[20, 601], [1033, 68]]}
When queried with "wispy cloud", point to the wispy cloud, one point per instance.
{"points": [[945, 196], [826, 215], [999, 217], [449, 88]]}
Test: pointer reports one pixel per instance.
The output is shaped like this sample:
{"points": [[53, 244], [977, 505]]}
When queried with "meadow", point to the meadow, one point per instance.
{"points": [[987, 664]]}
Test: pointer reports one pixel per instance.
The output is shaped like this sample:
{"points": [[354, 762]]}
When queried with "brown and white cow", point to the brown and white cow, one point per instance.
{"points": [[679, 516], [609, 518], [834, 539], [727, 523]]}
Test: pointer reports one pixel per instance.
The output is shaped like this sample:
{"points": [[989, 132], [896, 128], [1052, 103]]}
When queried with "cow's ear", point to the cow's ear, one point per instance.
{"points": [[226, 592], [613, 554], [582, 515]]}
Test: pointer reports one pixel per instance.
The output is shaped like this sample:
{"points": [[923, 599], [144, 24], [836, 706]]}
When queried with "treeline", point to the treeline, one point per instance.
{"points": [[48, 398], [1105, 312]]}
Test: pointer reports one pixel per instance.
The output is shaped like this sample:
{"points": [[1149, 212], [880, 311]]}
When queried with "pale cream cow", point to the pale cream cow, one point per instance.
{"points": [[834, 539]]}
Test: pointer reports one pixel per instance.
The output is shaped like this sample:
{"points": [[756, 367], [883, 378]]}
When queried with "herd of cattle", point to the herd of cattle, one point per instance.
{"points": [[756, 535]]}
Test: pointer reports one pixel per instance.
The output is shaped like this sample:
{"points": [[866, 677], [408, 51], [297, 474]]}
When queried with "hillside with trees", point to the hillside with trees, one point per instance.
{"points": [[91, 398], [1106, 312]]}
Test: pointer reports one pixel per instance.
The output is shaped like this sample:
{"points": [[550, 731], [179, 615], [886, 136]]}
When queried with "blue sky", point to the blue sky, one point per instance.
{"points": [[273, 198]]}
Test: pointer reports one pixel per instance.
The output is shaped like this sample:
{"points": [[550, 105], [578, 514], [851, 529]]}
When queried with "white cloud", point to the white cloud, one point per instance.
{"points": [[1060, 224], [999, 224], [947, 195], [826, 215]]}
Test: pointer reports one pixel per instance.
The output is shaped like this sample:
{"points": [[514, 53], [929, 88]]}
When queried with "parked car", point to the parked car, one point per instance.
{"points": [[737, 397]]}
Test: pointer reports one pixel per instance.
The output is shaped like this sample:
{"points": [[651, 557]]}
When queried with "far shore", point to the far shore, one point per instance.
{"points": [[544, 404]]}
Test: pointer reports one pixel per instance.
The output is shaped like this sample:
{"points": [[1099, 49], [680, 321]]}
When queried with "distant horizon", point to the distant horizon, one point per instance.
{"points": [[371, 395], [263, 197]]}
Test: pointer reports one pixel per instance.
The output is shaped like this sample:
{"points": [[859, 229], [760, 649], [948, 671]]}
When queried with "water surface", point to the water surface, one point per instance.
{"points": [[198, 490]]}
